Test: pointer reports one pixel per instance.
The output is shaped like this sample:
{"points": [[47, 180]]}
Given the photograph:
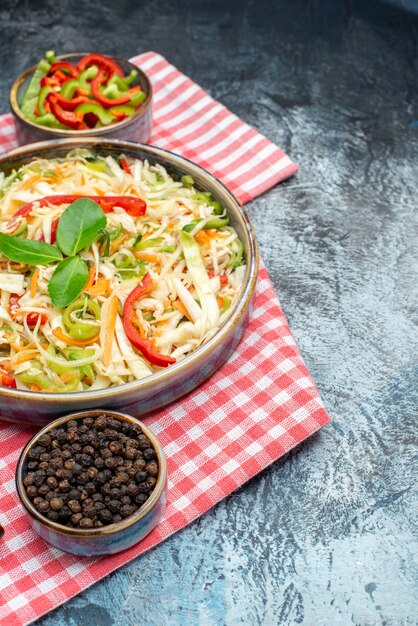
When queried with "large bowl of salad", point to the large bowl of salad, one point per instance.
{"points": [[126, 277], [82, 94]]}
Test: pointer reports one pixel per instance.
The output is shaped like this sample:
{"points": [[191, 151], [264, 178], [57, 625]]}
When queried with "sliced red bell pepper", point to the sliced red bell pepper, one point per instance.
{"points": [[145, 346], [133, 206], [64, 66], [222, 277], [6, 380], [125, 165], [102, 61], [32, 319], [107, 103], [68, 118], [71, 104], [50, 81]]}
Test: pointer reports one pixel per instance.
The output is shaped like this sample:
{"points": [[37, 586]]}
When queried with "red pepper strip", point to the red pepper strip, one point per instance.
{"points": [[65, 67], [69, 118], [101, 61], [133, 206], [125, 165], [54, 227], [32, 319], [107, 103], [145, 346], [71, 104], [6, 380], [222, 277], [50, 81]]}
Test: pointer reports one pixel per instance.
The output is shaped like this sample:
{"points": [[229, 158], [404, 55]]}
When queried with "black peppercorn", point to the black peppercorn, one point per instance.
{"points": [[91, 472], [56, 504], [105, 516], [85, 522], [44, 440]]}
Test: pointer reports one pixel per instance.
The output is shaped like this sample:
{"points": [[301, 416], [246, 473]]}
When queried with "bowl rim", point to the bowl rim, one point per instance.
{"points": [[237, 312], [110, 529], [90, 132]]}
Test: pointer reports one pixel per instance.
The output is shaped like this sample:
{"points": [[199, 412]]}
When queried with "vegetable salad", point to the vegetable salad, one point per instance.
{"points": [[89, 94], [109, 271]]}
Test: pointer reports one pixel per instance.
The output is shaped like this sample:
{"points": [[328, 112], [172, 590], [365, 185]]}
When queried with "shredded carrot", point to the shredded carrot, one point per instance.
{"points": [[101, 288], [92, 274], [59, 334], [167, 303], [34, 282], [30, 181], [19, 348], [36, 388], [110, 330], [178, 304], [145, 256], [6, 365], [202, 237], [28, 355], [213, 233], [115, 245], [220, 302]]}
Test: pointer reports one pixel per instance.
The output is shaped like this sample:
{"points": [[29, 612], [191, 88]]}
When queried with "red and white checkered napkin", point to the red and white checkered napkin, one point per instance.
{"points": [[261, 404]]}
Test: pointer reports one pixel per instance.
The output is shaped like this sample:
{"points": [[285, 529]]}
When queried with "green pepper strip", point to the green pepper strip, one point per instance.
{"points": [[123, 83], [104, 116], [70, 86], [87, 75], [46, 120], [22, 228], [237, 250], [213, 223], [30, 97], [81, 330], [148, 243], [41, 99], [73, 354], [205, 197]]}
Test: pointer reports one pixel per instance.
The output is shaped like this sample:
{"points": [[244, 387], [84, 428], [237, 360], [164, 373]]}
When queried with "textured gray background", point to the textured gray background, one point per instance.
{"points": [[325, 536]]}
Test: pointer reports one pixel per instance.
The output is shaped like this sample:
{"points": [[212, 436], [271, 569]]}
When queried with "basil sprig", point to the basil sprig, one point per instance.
{"points": [[27, 251], [79, 225], [67, 281]]}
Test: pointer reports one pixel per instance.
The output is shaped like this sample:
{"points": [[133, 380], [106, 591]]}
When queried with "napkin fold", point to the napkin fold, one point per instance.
{"points": [[262, 402]]}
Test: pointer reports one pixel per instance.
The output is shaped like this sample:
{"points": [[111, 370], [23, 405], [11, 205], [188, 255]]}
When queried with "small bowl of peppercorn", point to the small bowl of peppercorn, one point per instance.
{"points": [[93, 482]]}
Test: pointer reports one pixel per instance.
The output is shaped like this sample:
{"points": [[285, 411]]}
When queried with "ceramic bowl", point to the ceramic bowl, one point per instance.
{"points": [[135, 128], [108, 539], [140, 397]]}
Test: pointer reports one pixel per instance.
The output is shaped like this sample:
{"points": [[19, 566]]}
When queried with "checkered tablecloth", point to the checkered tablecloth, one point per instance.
{"points": [[262, 403]]}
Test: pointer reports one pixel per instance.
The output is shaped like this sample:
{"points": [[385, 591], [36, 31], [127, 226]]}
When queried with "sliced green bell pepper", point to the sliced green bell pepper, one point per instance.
{"points": [[30, 97], [81, 330]]}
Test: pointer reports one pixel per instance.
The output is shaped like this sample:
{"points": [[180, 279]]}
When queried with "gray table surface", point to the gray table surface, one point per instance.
{"points": [[325, 535]]}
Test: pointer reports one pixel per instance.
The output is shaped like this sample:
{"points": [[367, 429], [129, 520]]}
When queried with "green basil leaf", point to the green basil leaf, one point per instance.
{"points": [[28, 251], [79, 225], [67, 281]]}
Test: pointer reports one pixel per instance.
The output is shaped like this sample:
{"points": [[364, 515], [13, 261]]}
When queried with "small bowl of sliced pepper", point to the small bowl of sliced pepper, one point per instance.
{"points": [[79, 95]]}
